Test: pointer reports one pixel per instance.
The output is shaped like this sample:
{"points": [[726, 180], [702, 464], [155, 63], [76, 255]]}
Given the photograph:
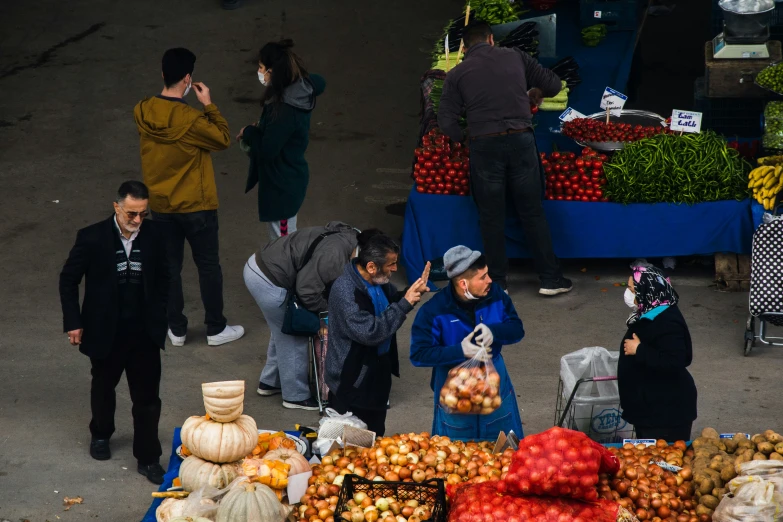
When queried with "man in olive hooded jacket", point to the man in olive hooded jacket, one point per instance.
{"points": [[176, 142]]}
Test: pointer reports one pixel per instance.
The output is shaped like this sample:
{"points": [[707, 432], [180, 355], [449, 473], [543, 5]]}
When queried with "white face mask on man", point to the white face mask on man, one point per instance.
{"points": [[187, 89], [468, 295], [629, 297]]}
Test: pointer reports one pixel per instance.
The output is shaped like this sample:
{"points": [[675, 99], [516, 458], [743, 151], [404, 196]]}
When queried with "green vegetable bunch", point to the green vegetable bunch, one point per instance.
{"points": [[592, 36], [668, 168], [772, 78], [493, 12], [773, 125]]}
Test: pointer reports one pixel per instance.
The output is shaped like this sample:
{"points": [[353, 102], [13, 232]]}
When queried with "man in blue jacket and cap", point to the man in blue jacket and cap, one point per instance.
{"points": [[470, 312]]}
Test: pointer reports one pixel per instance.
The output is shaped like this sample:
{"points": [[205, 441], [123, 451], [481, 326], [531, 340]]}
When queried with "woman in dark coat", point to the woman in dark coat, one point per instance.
{"points": [[657, 394], [278, 142]]}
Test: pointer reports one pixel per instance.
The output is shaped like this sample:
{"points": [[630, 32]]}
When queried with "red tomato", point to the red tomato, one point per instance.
{"points": [[555, 155], [585, 198], [451, 172], [580, 163], [428, 164], [420, 189], [464, 181], [561, 177], [599, 193], [442, 171], [569, 198], [560, 198]]}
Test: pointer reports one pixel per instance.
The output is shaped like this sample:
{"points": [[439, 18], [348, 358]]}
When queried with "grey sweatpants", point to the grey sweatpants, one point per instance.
{"points": [[281, 228], [286, 358]]}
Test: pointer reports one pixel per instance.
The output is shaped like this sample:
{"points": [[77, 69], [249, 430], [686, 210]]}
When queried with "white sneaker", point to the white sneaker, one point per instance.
{"points": [[229, 333], [176, 341]]}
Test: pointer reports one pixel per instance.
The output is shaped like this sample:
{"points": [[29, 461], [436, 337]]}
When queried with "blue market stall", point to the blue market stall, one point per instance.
{"points": [[435, 223]]}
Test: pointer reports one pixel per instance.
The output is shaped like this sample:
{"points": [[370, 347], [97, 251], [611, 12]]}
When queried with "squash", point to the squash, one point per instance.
{"points": [[224, 401], [251, 502], [272, 473], [169, 508], [220, 442], [195, 473], [291, 457], [190, 519], [281, 441]]}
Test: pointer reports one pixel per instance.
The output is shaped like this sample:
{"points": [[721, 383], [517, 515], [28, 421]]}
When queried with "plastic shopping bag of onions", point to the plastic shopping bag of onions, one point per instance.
{"points": [[473, 387]]}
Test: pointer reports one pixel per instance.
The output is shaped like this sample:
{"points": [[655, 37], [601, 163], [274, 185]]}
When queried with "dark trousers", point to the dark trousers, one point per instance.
{"points": [[504, 167], [139, 358], [201, 231], [669, 434], [374, 419]]}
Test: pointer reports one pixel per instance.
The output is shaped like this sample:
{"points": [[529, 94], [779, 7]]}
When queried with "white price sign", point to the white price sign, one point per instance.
{"points": [[636, 442], [570, 114], [685, 121], [613, 100]]}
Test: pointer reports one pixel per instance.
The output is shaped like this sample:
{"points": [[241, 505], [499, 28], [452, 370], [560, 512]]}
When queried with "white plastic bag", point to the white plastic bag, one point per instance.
{"points": [[769, 470], [472, 387], [202, 502], [596, 405], [331, 426], [751, 499]]}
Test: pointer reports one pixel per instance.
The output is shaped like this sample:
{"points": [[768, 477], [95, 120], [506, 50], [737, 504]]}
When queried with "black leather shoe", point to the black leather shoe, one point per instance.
{"points": [[99, 449], [153, 472]]}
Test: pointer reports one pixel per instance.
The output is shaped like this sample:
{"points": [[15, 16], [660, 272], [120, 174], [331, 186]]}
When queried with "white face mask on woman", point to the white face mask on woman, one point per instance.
{"points": [[261, 79], [629, 297]]}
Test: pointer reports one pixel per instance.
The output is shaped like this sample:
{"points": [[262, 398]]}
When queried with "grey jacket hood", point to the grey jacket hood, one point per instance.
{"points": [[300, 95]]}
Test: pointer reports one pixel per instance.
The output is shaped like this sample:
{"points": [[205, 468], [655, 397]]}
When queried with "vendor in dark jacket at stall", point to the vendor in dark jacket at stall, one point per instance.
{"points": [[495, 87], [657, 394]]}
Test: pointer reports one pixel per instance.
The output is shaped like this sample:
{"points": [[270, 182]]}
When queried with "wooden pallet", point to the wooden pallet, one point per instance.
{"points": [[732, 272]]}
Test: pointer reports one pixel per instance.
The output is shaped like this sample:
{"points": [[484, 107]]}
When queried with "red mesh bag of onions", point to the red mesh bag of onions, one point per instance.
{"points": [[472, 388], [489, 502], [559, 463]]}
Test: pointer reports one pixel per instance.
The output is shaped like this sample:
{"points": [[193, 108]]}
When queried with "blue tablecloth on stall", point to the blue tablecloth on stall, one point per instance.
{"points": [[172, 472], [433, 224]]}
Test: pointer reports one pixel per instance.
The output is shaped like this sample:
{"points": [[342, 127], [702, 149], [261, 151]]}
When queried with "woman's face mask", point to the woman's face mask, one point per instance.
{"points": [[629, 297], [262, 72]]}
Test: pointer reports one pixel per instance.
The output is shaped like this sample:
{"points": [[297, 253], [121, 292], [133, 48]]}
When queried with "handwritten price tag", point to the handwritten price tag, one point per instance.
{"points": [[613, 100], [570, 114], [685, 121]]}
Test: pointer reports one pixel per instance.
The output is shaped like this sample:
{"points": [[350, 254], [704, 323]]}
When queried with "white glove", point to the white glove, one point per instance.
{"points": [[483, 335], [471, 349]]}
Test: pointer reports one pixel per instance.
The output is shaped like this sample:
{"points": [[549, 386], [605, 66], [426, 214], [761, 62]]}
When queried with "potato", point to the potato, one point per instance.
{"points": [[759, 456], [758, 438], [779, 447], [739, 436], [740, 460], [710, 433], [703, 510], [706, 486], [745, 444], [719, 492], [728, 473], [776, 456], [774, 438], [716, 464], [731, 445], [766, 448], [709, 501]]}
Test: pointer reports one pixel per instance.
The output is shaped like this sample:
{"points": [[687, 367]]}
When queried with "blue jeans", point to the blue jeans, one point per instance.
{"points": [[504, 167]]}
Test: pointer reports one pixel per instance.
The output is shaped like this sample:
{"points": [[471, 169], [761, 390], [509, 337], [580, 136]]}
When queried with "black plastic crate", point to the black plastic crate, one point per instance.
{"points": [[729, 116], [431, 492], [617, 15]]}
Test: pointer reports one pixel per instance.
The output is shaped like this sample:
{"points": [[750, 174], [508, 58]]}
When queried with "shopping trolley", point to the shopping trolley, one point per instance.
{"points": [[600, 419], [765, 300], [318, 344]]}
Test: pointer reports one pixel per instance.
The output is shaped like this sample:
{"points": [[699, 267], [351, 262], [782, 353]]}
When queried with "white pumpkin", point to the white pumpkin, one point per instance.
{"points": [[190, 519], [251, 502], [220, 442], [169, 508], [195, 473], [224, 401], [291, 457]]}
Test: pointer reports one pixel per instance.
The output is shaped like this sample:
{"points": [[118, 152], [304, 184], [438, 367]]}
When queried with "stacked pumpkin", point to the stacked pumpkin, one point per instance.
{"points": [[218, 440]]}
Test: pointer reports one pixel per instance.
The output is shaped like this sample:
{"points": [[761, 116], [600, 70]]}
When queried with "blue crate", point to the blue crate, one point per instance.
{"points": [[618, 15]]}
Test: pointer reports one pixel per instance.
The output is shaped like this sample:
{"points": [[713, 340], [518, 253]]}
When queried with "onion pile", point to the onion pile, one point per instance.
{"points": [[473, 390], [648, 490], [401, 458], [364, 508]]}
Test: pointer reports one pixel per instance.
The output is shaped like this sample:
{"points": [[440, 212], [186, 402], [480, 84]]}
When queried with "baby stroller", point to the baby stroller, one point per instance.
{"points": [[766, 281]]}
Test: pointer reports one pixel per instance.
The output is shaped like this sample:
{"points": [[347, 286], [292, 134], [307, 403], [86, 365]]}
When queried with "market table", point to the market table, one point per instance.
{"points": [[434, 223]]}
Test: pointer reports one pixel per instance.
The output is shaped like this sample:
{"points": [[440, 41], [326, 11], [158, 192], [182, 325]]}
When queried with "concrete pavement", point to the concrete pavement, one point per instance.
{"points": [[70, 73]]}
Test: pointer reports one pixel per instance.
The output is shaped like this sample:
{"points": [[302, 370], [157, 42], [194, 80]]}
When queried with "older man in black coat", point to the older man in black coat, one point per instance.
{"points": [[122, 323]]}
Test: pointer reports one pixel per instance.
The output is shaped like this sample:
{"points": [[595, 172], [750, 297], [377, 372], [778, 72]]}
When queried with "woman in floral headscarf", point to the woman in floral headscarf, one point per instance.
{"points": [[657, 394]]}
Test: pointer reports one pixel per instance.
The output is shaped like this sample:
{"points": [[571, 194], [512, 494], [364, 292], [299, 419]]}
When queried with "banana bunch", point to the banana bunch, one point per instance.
{"points": [[766, 181], [771, 160]]}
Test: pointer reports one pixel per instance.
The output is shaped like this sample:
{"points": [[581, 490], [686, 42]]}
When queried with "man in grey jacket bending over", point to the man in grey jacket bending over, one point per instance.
{"points": [[365, 312]]}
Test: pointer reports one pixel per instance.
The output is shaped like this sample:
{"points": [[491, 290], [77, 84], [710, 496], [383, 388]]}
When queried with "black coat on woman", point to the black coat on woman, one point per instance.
{"points": [[656, 389]]}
